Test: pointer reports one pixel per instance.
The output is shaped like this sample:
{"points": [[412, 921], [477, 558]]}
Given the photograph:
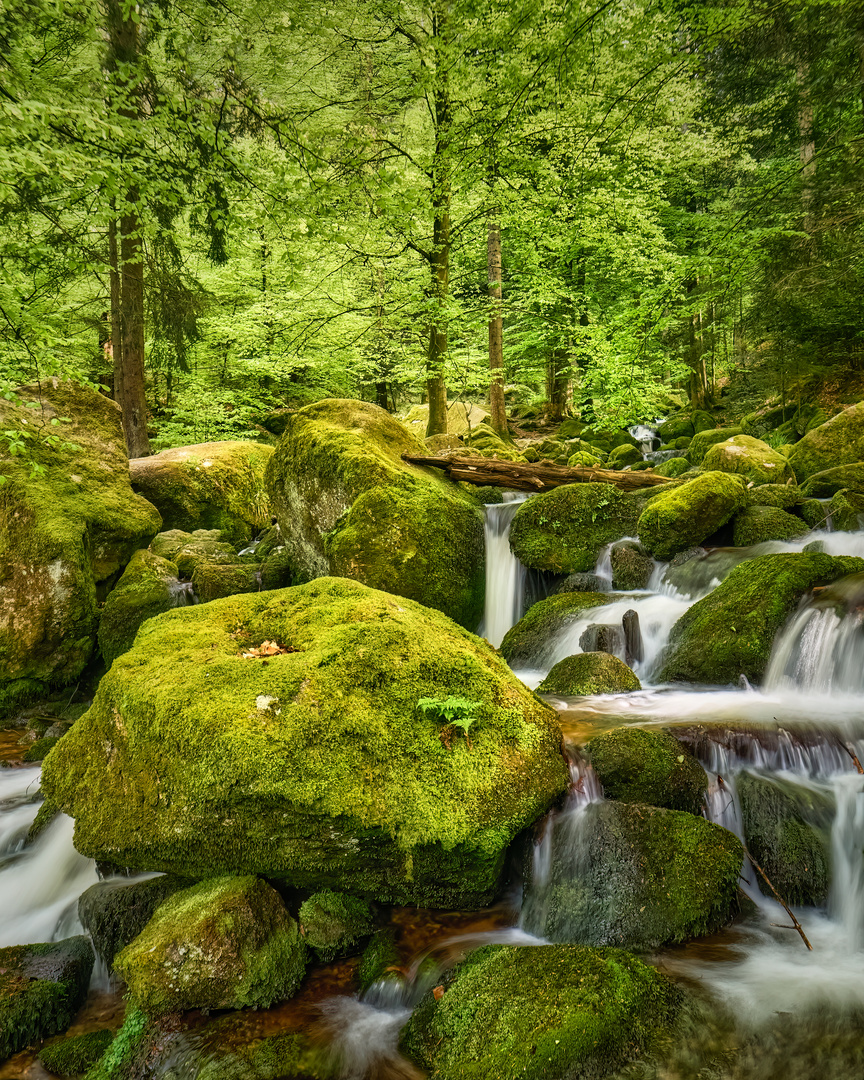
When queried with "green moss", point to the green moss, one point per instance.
{"points": [[765, 419], [197, 551], [756, 524], [675, 427], [814, 513], [217, 485], [317, 766], [279, 571], [525, 641], [41, 988], [839, 441], [149, 586], [347, 504], [731, 631], [584, 460], [681, 518], [564, 530], [637, 877], [75, 1056], [636, 766], [334, 924], [378, 957], [631, 566], [553, 1011], [673, 468], [589, 673], [117, 1063], [787, 830], [847, 511], [45, 815], [211, 581], [700, 444], [703, 421], [748, 457], [40, 748], [823, 485], [622, 455]]}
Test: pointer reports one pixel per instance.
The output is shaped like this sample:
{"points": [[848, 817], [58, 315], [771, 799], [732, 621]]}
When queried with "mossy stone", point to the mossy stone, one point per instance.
{"points": [[39, 749], [589, 673], [348, 505], [316, 766], [681, 518], [700, 444], [225, 943], [278, 570], [756, 524], [525, 641], [623, 455], [41, 988], [787, 830], [814, 513], [197, 551], [46, 813], [635, 876], [839, 441], [149, 586], [847, 511], [212, 581], [703, 421], [582, 459], [218, 485], [555, 1012], [637, 766], [335, 924], [767, 418], [823, 485], [379, 956], [169, 544], [631, 566], [731, 631], [673, 467], [75, 1056], [564, 530], [745, 456], [574, 583], [675, 427], [782, 496]]}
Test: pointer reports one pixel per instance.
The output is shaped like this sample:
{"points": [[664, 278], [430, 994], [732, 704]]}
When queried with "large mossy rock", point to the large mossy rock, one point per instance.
{"points": [[651, 767], [225, 943], [526, 642], [564, 530], [349, 506], [41, 988], [218, 485], [316, 766], [631, 566], [756, 524], [787, 829], [148, 587], [823, 485], [745, 456], [75, 1056], [839, 441], [335, 924], [847, 511], [634, 876], [67, 533], [731, 631], [701, 443], [589, 673], [683, 517], [782, 496], [551, 1012]]}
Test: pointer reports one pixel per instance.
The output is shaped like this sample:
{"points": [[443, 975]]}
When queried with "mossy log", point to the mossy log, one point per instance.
{"points": [[536, 477]]}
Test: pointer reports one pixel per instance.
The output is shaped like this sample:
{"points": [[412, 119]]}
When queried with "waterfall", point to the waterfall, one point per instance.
{"points": [[645, 436], [505, 575]]}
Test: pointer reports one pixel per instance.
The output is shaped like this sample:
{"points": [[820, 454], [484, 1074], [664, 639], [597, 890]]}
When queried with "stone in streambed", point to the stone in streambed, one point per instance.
{"points": [[847, 511], [839, 441], [77, 1055], [700, 444], [590, 673], [582, 583], [637, 766], [335, 924], [748, 457], [823, 485], [783, 496], [683, 517], [603, 638], [756, 524], [632, 567], [525, 642]]}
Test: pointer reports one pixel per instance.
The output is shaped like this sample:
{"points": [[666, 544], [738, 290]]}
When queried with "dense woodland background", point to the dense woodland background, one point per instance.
{"points": [[261, 204]]}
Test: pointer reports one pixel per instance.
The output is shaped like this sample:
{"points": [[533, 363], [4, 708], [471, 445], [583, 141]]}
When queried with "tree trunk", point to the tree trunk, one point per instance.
{"points": [[536, 477], [558, 383], [116, 332], [497, 407], [807, 148]]}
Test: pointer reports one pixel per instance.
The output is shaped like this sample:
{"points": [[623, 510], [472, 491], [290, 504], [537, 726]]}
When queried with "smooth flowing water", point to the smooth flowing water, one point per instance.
{"points": [[505, 575]]}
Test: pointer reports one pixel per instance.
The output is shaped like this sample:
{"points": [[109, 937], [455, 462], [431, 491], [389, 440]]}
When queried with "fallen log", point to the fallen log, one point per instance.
{"points": [[493, 472]]}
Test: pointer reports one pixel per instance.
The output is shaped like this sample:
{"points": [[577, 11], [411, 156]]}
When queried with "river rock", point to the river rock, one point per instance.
{"points": [[314, 764], [623, 455], [218, 485], [526, 642], [731, 631], [673, 467], [564, 530], [335, 924], [839, 441], [847, 511], [212, 581], [75, 1056], [636, 766], [676, 427], [349, 506], [225, 943], [551, 1012], [581, 583], [823, 485], [783, 496], [68, 532], [765, 419], [700, 444], [748, 457], [41, 988], [589, 673], [631, 566], [683, 517], [756, 524]]}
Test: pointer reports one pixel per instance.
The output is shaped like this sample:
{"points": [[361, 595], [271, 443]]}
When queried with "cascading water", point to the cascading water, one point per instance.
{"points": [[505, 575], [646, 437]]}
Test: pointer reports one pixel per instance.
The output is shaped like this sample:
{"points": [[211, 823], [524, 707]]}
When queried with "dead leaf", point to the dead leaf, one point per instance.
{"points": [[438, 993], [268, 648]]}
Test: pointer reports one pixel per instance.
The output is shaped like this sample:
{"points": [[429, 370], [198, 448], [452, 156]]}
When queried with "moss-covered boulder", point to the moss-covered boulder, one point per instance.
{"points": [[766, 418], [335, 924], [703, 421], [582, 459], [225, 943], [556, 1012], [745, 456], [318, 765], [564, 530], [198, 550], [38, 750], [379, 957], [349, 506], [589, 673], [148, 587], [585, 583], [700, 444], [632, 567], [218, 485], [814, 513], [675, 427], [169, 544], [673, 467], [115, 912], [782, 496], [525, 642], [77, 1055], [787, 830], [637, 766], [847, 511], [839, 441], [67, 532], [823, 485], [756, 524], [731, 631], [212, 581], [683, 517], [634, 876], [41, 988], [623, 455]]}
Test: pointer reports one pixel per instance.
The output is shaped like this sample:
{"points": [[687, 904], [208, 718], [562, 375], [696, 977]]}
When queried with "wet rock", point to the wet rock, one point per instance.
{"points": [[636, 766], [673, 468], [756, 524], [335, 924], [676, 427], [582, 583], [847, 511], [814, 513], [526, 642], [839, 441], [631, 566], [279, 570], [379, 956], [602, 638], [748, 457], [589, 673], [313, 765], [41, 988], [217, 485], [634, 648], [554, 1012], [77, 1055], [679, 519]]}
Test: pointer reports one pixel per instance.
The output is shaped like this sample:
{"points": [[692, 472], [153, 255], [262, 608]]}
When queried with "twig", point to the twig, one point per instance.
{"points": [[853, 755]]}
